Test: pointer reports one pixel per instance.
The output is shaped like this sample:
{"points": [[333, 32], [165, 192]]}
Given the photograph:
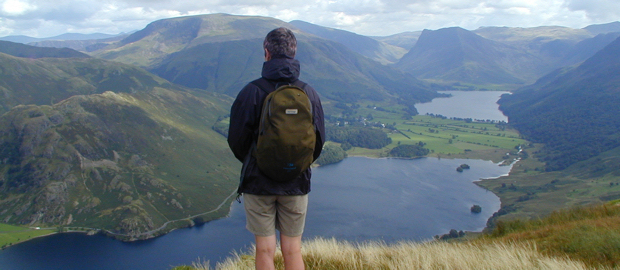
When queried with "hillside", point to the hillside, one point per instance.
{"points": [[457, 55], [26, 51], [110, 146], [574, 113], [366, 46], [46, 81]]}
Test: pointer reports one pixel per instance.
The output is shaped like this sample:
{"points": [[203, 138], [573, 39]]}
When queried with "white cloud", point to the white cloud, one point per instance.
{"points": [[16, 7], [369, 17], [599, 11]]}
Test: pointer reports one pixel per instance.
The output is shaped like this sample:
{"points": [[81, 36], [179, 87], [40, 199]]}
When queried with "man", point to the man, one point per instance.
{"points": [[270, 204]]}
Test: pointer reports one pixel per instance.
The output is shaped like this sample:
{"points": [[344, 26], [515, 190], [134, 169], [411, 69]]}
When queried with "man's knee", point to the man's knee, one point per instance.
{"points": [[266, 244], [290, 245]]}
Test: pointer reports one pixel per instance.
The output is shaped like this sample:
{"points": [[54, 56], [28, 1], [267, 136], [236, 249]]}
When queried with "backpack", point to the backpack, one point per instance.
{"points": [[286, 134]]}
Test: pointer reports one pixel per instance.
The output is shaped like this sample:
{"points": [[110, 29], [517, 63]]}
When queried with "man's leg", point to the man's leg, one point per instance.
{"points": [[291, 221], [260, 220], [291, 251], [265, 250]]}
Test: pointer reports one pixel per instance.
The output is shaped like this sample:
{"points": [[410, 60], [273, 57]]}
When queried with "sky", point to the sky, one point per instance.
{"points": [[46, 18]]}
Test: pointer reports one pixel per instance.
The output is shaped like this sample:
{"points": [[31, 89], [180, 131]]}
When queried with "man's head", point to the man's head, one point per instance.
{"points": [[280, 41]]}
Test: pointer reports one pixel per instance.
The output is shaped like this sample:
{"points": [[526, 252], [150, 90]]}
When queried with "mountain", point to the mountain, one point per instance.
{"points": [[19, 39], [66, 36], [555, 46], [405, 40], [574, 112], [108, 145], [149, 46], [603, 28], [86, 45], [366, 46], [455, 54], [336, 72], [221, 53], [26, 51], [586, 49], [533, 38]]}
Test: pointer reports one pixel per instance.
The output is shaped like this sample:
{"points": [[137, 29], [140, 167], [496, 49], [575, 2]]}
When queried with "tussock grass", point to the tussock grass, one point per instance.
{"points": [[590, 234], [333, 254]]}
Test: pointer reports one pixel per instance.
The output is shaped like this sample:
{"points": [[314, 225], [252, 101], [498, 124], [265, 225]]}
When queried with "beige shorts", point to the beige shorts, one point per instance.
{"points": [[266, 213]]}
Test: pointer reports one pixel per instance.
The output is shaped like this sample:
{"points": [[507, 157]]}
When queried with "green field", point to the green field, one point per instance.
{"points": [[11, 235], [530, 192], [443, 137]]}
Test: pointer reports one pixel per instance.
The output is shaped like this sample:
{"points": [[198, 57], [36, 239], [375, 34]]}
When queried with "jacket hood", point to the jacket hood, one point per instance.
{"points": [[281, 69]]}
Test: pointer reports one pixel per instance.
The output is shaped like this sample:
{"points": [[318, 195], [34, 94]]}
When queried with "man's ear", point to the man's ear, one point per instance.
{"points": [[267, 55]]}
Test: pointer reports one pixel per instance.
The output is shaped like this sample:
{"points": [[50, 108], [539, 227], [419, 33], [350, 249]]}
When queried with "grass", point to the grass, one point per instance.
{"points": [[341, 255], [588, 234], [11, 235], [578, 238]]}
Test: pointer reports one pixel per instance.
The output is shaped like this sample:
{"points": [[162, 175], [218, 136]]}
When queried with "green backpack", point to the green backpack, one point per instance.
{"points": [[286, 134]]}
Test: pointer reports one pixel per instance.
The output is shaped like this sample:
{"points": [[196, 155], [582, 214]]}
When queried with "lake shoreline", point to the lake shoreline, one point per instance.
{"points": [[372, 199], [476, 154]]}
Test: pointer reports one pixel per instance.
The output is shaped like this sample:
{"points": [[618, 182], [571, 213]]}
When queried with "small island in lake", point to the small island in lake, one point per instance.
{"points": [[462, 167]]}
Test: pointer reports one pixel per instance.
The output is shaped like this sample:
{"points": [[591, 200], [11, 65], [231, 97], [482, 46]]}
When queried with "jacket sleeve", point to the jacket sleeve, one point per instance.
{"points": [[319, 122], [243, 121]]}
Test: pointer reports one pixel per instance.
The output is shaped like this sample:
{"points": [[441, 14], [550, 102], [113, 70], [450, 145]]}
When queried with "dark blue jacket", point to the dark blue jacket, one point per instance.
{"points": [[244, 121]]}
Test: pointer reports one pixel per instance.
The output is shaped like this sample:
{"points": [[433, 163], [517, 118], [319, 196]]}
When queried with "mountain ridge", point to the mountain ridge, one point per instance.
{"points": [[26, 51], [222, 53], [525, 54], [562, 108]]}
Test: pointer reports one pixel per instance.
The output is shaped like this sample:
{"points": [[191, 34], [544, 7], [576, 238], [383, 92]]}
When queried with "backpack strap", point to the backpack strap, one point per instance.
{"points": [[264, 85]]}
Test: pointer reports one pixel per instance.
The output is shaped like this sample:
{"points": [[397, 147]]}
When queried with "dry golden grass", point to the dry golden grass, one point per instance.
{"points": [[580, 238], [341, 255]]}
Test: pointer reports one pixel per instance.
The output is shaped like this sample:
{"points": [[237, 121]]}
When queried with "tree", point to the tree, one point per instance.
{"points": [[408, 151], [331, 154]]}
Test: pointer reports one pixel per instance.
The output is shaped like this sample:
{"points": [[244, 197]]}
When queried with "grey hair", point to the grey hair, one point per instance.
{"points": [[281, 41]]}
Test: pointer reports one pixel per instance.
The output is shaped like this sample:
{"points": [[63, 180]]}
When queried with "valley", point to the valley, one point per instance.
{"points": [[127, 134]]}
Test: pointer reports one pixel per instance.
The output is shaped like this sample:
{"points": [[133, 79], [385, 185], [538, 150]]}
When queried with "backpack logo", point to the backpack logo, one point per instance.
{"points": [[286, 135], [289, 167]]}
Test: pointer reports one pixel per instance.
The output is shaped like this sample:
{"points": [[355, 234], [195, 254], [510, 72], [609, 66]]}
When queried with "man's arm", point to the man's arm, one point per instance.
{"points": [[243, 122], [319, 123]]}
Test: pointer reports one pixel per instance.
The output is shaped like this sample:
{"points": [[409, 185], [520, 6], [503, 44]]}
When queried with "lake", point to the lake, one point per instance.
{"points": [[481, 105], [357, 199]]}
